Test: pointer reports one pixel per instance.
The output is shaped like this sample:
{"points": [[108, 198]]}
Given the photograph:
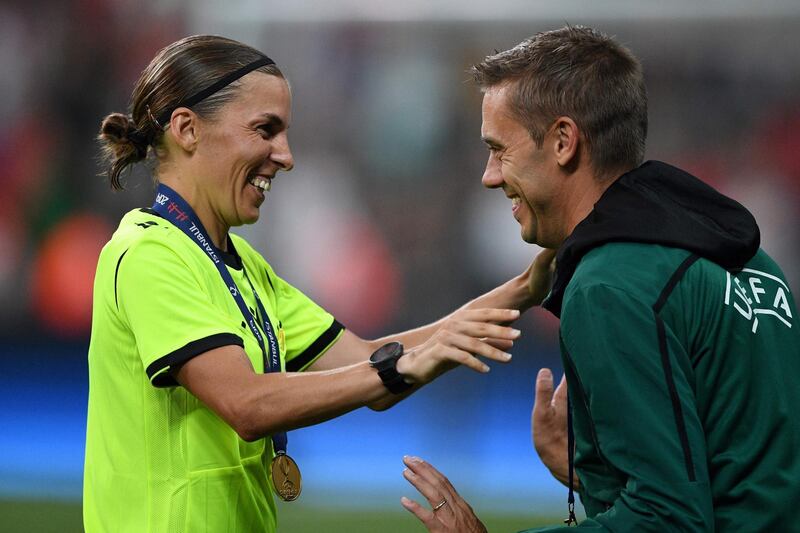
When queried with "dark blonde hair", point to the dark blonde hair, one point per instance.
{"points": [[583, 74], [178, 71]]}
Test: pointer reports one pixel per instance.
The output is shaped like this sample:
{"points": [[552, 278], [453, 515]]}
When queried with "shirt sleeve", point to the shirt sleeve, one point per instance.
{"points": [[636, 378], [308, 329], [166, 307]]}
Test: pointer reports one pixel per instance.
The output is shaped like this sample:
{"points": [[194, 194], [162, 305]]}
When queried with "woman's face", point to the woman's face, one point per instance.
{"points": [[243, 146]]}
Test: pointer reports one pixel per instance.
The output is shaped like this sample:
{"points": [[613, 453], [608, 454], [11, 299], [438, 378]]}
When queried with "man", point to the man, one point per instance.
{"points": [[678, 334]]}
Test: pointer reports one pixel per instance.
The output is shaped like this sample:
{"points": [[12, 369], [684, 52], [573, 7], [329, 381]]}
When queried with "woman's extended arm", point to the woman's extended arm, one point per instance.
{"points": [[255, 405], [521, 292]]}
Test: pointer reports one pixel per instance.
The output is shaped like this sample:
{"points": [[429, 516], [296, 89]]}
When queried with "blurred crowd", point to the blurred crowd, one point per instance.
{"points": [[384, 220]]}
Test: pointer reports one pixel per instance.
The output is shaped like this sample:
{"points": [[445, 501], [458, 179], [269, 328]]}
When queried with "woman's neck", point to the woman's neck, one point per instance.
{"points": [[211, 221]]}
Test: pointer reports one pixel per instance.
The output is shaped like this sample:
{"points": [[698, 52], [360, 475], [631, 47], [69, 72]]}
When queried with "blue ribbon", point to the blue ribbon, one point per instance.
{"points": [[170, 205]]}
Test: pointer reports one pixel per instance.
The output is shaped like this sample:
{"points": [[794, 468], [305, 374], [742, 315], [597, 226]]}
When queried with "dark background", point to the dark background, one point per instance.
{"points": [[383, 221]]}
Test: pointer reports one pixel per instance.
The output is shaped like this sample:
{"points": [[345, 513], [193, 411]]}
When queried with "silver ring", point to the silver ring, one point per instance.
{"points": [[440, 505]]}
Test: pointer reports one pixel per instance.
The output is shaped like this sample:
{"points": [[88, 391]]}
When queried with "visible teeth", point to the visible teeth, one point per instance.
{"points": [[515, 201], [262, 183]]}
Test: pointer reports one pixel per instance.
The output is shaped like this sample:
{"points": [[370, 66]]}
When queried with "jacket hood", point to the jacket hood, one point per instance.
{"points": [[659, 204]]}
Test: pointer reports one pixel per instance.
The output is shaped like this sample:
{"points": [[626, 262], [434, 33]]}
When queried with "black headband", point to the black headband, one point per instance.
{"points": [[198, 97]]}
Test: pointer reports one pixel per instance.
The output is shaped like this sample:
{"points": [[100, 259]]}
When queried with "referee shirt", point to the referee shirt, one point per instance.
{"points": [[157, 459]]}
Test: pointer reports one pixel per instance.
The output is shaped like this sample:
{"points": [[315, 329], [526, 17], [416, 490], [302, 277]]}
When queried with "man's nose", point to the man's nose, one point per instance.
{"points": [[492, 177]]}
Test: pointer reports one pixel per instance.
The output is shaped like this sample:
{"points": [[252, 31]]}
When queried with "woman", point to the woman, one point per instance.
{"points": [[198, 350]]}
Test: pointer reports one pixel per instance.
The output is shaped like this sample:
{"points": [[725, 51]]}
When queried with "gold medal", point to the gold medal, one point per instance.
{"points": [[286, 477], [281, 340]]}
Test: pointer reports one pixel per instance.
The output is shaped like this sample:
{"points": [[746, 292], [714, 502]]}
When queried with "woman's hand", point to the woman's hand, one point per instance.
{"points": [[468, 333], [449, 513], [540, 275]]}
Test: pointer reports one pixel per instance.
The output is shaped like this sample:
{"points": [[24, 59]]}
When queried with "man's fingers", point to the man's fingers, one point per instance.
{"points": [[560, 396], [544, 389], [541, 402], [425, 516]]}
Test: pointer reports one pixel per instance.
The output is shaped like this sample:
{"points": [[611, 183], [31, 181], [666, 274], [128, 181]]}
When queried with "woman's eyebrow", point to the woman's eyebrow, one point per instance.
{"points": [[272, 120]]}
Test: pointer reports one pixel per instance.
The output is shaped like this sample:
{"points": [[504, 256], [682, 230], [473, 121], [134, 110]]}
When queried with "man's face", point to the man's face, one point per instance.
{"points": [[527, 174]]}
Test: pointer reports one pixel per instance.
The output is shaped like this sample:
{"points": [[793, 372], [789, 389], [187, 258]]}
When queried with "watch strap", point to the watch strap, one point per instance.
{"points": [[393, 380], [384, 360]]}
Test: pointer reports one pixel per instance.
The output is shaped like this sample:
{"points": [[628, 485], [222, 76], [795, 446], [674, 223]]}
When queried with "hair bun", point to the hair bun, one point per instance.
{"points": [[118, 130], [122, 144]]}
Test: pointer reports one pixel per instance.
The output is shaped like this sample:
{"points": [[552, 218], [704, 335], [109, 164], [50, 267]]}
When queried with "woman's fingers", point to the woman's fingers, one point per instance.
{"points": [[426, 516], [449, 513], [432, 477], [461, 341], [465, 350], [466, 359], [487, 314], [478, 347], [431, 493], [484, 329], [427, 480], [500, 344]]}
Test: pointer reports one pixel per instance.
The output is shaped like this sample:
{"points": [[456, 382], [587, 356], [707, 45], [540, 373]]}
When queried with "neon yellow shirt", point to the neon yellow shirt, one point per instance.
{"points": [[157, 459]]}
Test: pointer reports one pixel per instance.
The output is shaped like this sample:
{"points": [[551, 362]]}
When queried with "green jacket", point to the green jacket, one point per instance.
{"points": [[682, 356]]}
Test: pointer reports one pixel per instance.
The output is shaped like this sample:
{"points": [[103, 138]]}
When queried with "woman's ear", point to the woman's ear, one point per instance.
{"points": [[183, 126]]}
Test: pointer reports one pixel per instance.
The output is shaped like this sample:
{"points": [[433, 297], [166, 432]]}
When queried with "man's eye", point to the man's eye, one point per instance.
{"points": [[266, 131]]}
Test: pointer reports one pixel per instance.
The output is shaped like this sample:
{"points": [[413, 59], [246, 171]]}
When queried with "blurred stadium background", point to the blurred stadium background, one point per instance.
{"points": [[383, 220]]}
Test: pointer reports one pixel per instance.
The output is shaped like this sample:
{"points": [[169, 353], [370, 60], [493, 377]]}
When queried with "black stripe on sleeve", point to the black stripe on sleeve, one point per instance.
{"points": [[666, 364], [160, 370], [569, 364], [316, 348], [116, 273], [266, 273], [677, 411], [673, 281]]}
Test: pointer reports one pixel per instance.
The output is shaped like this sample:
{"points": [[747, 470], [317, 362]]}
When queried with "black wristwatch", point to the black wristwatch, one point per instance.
{"points": [[384, 360]]}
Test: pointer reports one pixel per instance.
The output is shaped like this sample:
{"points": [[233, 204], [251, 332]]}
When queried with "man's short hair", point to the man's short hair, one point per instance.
{"points": [[581, 73]]}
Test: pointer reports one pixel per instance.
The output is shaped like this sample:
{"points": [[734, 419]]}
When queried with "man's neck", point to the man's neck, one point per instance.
{"points": [[587, 191]]}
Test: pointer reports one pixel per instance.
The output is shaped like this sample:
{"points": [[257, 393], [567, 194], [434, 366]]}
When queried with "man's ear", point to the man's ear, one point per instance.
{"points": [[566, 144], [183, 126]]}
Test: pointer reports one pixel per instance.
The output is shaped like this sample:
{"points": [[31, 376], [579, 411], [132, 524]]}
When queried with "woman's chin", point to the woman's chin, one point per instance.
{"points": [[250, 216], [244, 217]]}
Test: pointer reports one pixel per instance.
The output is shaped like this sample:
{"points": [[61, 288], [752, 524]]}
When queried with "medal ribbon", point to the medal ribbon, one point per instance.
{"points": [[170, 205]]}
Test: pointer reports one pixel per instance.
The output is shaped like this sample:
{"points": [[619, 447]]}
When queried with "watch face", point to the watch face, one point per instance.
{"points": [[387, 351], [384, 360]]}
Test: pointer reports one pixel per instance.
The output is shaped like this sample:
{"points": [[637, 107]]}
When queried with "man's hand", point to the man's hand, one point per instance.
{"points": [[464, 336], [450, 513], [540, 275], [549, 426]]}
